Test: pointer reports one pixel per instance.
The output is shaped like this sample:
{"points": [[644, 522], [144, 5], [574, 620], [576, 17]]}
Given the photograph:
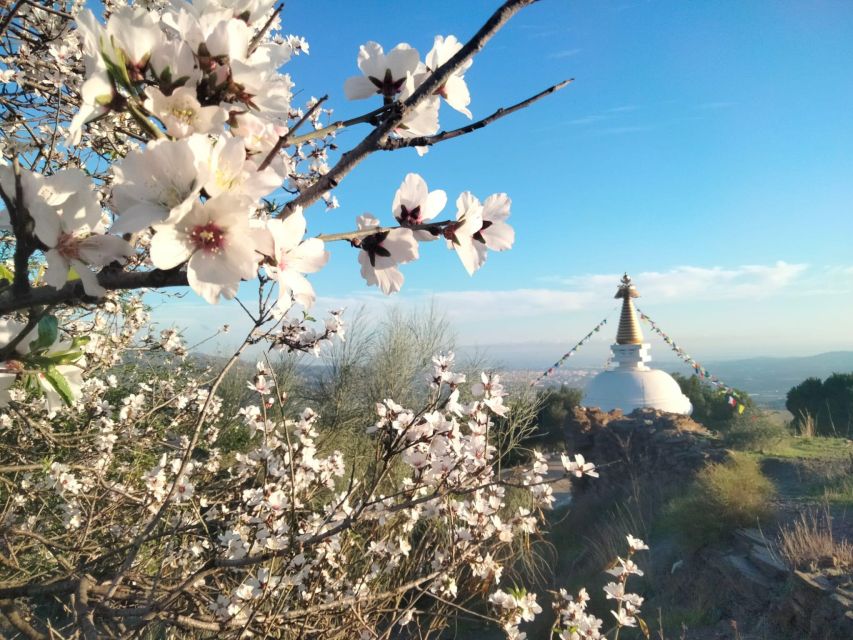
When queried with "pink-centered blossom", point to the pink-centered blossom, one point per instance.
{"points": [[290, 257], [214, 239], [454, 90], [67, 220], [382, 252], [415, 204], [460, 234], [383, 74], [495, 233]]}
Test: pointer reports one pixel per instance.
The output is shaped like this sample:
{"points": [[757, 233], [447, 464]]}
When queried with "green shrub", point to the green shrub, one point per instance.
{"points": [[554, 408], [723, 497], [827, 405], [754, 432], [711, 407]]}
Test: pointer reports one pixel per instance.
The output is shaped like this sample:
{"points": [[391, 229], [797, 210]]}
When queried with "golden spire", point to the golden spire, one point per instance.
{"points": [[629, 327]]}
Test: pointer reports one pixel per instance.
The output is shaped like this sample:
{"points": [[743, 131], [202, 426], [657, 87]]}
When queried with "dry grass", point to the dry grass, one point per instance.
{"points": [[809, 542], [723, 498], [806, 425]]}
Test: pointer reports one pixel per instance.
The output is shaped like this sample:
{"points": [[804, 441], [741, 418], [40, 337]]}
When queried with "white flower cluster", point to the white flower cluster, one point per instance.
{"points": [[573, 621], [399, 73], [201, 81]]}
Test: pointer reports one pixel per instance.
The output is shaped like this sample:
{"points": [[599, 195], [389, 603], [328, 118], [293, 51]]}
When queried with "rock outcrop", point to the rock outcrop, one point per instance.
{"points": [[647, 447]]}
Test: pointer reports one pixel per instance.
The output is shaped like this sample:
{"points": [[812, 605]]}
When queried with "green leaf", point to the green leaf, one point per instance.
{"points": [[48, 332], [58, 382], [6, 273], [66, 357], [31, 383], [79, 341], [644, 628]]}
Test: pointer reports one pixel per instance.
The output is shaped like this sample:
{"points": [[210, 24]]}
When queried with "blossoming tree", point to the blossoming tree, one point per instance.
{"points": [[161, 147]]}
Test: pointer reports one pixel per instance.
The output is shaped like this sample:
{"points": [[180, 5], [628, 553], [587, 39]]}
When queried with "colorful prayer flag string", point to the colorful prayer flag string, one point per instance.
{"points": [[550, 370], [733, 398]]}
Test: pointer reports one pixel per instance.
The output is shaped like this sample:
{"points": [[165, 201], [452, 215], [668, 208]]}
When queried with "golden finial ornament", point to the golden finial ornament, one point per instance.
{"points": [[629, 325]]}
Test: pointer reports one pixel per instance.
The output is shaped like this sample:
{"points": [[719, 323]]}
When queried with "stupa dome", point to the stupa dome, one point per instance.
{"points": [[630, 384]]}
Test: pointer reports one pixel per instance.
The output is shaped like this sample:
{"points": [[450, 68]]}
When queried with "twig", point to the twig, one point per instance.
{"points": [[441, 136], [260, 34], [32, 322], [397, 111], [283, 140], [10, 611], [85, 616], [363, 233], [74, 292]]}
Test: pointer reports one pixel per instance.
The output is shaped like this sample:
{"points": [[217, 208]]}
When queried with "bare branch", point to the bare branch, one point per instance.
{"points": [[13, 615], [441, 136], [374, 140], [283, 140], [74, 292]]}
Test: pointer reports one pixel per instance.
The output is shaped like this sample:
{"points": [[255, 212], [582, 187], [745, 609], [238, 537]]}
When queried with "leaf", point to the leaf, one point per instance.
{"points": [[79, 341], [644, 627], [6, 273], [48, 332], [31, 383], [58, 382], [66, 357]]}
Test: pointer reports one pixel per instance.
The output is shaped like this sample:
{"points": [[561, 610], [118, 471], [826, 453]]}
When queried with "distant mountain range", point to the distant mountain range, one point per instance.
{"points": [[766, 379], [769, 379]]}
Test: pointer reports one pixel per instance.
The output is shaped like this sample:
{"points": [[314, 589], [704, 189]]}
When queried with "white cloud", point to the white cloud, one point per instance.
{"points": [[708, 283]]}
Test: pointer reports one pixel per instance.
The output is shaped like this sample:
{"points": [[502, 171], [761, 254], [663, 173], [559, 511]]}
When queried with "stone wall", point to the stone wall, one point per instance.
{"points": [[813, 605]]}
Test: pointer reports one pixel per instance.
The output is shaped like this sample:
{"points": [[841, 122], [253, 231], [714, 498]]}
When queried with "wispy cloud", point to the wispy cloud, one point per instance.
{"points": [[519, 314], [564, 53], [614, 131], [707, 283], [588, 119]]}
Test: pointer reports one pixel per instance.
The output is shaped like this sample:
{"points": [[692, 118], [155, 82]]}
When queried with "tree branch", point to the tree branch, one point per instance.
{"points": [[74, 292], [13, 615], [441, 136], [283, 140], [374, 140]]}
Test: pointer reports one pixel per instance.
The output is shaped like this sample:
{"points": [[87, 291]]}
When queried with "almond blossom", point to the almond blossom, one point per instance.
{"points": [[290, 257], [182, 114], [460, 234], [414, 204], [384, 74], [67, 219], [578, 467], [382, 252], [229, 170], [422, 120], [97, 91], [454, 90], [495, 233], [214, 239], [163, 180]]}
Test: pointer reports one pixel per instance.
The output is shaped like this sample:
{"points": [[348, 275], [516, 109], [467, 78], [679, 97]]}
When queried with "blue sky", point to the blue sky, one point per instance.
{"points": [[704, 147]]}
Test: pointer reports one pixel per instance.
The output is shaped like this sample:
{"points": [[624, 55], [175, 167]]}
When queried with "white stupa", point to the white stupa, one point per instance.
{"points": [[630, 384]]}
